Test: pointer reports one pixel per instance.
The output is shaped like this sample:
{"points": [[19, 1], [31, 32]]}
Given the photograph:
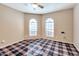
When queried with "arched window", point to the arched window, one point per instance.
{"points": [[49, 27], [33, 27]]}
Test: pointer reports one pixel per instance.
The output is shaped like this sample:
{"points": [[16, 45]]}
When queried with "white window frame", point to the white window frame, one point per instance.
{"points": [[31, 30], [50, 29]]}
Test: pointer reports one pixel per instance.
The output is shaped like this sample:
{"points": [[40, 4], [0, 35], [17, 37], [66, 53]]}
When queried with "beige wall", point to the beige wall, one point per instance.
{"points": [[76, 26], [63, 22], [11, 26]]}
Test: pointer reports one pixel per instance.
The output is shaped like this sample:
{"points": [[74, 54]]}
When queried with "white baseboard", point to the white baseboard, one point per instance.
{"points": [[77, 46], [11, 43]]}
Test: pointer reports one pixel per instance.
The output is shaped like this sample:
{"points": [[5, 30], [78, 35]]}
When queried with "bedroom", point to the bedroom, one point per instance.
{"points": [[28, 30]]}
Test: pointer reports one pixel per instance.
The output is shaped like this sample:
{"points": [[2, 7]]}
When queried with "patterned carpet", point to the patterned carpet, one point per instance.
{"points": [[39, 47]]}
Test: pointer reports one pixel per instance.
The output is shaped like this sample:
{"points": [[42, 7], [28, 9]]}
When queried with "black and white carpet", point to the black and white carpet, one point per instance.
{"points": [[39, 47]]}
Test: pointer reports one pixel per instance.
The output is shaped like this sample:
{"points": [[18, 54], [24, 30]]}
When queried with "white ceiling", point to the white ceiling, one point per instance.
{"points": [[48, 7]]}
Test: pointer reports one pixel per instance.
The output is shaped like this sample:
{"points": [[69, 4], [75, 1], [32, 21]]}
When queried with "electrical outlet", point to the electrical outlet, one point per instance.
{"points": [[77, 44], [3, 41]]}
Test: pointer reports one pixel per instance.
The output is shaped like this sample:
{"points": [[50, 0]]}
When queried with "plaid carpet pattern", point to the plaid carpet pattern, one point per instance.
{"points": [[39, 47]]}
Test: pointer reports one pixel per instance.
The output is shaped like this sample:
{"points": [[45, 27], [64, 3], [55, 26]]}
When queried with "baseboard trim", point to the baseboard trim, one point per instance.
{"points": [[76, 46], [10, 44]]}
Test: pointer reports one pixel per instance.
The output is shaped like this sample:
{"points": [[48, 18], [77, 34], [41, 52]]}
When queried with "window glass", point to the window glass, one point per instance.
{"points": [[33, 27], [49, 27]]}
